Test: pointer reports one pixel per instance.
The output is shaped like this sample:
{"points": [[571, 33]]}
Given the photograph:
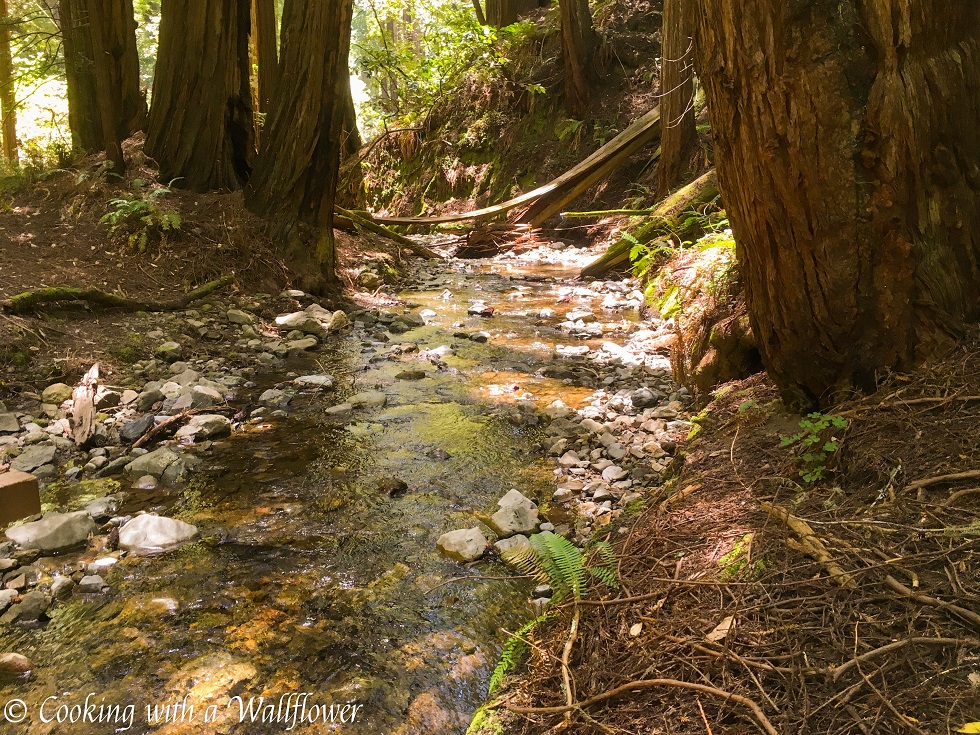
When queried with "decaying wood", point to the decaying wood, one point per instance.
{"points": [[551, 198], [943, 479], [809, 543], [960, 612], [363, 221], [30, 300], [664, 222], [83, 406]]}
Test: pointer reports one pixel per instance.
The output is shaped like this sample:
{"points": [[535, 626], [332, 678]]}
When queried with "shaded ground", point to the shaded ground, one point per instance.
{"points": [[891, 647]]}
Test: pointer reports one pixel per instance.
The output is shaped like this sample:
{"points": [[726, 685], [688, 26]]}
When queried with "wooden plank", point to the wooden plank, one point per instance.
{"points": [[592, 170]]}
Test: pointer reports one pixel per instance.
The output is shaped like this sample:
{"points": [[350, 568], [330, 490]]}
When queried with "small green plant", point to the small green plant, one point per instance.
{"points": [[513, 653], [554, 560], [818, 440], [139, 217]]}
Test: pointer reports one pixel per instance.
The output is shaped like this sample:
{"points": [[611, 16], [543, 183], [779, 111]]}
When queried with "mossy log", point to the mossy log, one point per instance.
{"points": [[361, 221], [31, 300], [665, 221]]}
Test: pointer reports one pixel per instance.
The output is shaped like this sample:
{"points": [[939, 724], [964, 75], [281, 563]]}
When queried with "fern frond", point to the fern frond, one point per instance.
{"points": [[514, 650]]}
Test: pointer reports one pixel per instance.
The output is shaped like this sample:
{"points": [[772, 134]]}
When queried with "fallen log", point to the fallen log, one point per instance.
{"points": [[30, 300], [551, 198], [363, 221], [664, 223]]}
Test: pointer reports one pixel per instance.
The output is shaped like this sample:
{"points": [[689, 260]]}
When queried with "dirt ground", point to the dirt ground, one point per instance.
{"points": [[858, 614]]}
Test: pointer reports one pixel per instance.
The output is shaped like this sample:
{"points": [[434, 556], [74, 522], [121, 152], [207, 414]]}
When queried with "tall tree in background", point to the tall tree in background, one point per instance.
{"points": [[201, 129], [848, 157], [295, 178], [105, 104], [677, 91], [264, 39], [578, 44], [8, 109]]}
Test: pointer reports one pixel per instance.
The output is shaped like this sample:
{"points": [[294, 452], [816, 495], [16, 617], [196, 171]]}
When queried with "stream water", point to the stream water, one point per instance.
{"points": [[309, 578]]}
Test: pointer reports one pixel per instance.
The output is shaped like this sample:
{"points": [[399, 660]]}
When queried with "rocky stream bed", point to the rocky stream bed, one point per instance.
{"points": [[283, 534]]}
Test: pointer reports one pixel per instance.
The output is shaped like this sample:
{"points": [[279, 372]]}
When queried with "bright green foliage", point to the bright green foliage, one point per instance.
{"points": [[139, 218], [818, 440], [554, 560], [513, 653], [412, 53]]}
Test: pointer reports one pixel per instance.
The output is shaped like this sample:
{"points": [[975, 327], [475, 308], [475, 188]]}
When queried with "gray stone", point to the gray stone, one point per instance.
{"points": [[133, 430], [323, 382], [465, 545], [9, 423], [338, 321], [56, 394], [102, 508], [34, 457], [105, 398], [510, 546], [368, 399], [148, 398], [92, 584], [203, 396], [7, 598], [237, 316], [273, 397], [205, 426], [32, 607], [613, 473], [148, 533], [54, 532], [186, 377], [341, 410], [517, 514], [301, 321], [62, 587], [154, 463], [569, 459], [298, 346], [169, 351]]}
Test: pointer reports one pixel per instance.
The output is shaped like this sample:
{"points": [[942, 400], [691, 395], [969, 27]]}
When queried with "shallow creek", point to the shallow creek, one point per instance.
{"points": [[309, 577]]}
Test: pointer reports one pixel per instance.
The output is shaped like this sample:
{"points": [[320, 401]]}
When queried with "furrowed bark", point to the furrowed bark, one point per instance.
{"points": [[8, 109], [677, 90]]}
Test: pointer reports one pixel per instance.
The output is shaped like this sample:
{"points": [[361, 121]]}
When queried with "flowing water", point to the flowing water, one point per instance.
{"points": [[309, 578]]}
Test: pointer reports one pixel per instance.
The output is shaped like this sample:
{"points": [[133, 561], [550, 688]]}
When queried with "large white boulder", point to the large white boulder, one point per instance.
{"points": [[149, 532]]}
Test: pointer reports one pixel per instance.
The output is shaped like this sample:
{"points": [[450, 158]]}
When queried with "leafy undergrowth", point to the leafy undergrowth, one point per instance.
{"points": [[839, 603], [503, 128]]}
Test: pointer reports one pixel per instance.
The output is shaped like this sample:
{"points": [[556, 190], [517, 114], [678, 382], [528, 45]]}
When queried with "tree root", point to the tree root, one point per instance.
{"points": [[32, 300], [809, 544], [760, 716]]}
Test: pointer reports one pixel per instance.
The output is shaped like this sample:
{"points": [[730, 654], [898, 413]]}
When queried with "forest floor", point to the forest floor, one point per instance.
{"points": [[750, 598]]}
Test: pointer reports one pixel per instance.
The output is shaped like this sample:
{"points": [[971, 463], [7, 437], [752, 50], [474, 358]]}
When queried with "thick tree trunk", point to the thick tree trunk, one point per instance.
{"points": [[105, 104], [295, 178], [848, 157], [578, 45], [677, 91], [8, 108], [264, 41], [201, 129], [352, 136], [502, 13]]}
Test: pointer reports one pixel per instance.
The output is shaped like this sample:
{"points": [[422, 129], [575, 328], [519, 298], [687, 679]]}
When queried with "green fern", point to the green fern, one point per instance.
{"points": [[513, 653], [554, 560]]}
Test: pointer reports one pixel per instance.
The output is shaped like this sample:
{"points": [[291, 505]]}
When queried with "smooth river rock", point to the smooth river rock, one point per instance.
{"points": [[150, 532], [517, 514], [54, 532], [466, 544]]}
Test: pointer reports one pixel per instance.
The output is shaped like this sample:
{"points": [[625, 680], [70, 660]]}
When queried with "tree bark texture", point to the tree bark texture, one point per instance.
{"points": [[295, 178], [578, 45], [8, 107], [502, 13], [105, 104], [677, 91], [201, 128], [265, 41], [849, 161]]}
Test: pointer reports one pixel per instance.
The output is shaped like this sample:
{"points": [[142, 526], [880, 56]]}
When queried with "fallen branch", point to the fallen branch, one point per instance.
{"points": [[960, 612], [173, 423], [365, 223], [760, 716], [839, 671], [30, 300], [810, 544], [940, 479]]}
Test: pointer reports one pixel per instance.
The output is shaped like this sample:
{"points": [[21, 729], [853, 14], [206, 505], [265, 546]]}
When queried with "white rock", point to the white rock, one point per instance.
{"points": [[151, 532], [466, 544], [517, 514], [53, 532]]}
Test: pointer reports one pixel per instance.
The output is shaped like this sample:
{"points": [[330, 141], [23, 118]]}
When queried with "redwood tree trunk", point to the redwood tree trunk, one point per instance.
{"points": [[578, 44], [677, 91], [264, 39], [848, 157], [201, 129], [8, 113], [295, 178], [105, 104]]}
